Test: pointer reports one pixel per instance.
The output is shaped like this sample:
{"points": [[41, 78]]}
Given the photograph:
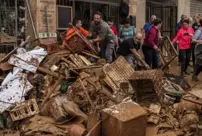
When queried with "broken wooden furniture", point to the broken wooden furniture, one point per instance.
{"points": [[168, 52], [117, 72], [152, 84], [24, 110], [142, 82], [125, 119], [78, 43]]}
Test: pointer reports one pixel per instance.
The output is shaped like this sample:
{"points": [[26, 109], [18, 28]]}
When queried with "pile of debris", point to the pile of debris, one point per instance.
{"points": [[46, 90], [52, 91]]}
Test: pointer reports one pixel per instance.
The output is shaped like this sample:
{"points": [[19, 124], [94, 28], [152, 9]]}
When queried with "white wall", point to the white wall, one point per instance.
{"points": [[138, 10], [196, 7], [183, 8], [140, 14]]}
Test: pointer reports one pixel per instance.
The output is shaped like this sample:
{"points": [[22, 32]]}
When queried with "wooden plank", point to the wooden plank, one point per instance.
{"points": [[81, 63], [91, 55], [86, 61], [46, 71], [68, 62], [86, 67], [73, 58], [53, 59]]}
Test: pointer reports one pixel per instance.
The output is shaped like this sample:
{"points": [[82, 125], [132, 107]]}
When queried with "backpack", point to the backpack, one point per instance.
{"points": [[124, 9]]}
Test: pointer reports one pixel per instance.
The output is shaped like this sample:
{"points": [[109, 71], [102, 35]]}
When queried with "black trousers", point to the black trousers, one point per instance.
{"points": [[198, 69], [151, 57], [185, 56], [179, 56], [193, 53]]}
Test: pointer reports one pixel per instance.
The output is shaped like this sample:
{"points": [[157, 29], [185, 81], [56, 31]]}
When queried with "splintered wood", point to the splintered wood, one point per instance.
{"points": [[76, 61], [98, 88]]}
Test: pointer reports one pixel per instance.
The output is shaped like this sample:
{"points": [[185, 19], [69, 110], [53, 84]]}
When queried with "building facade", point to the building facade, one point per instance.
{"points": [[164, 9], [168, 10], [195, 7], [83, 9]]}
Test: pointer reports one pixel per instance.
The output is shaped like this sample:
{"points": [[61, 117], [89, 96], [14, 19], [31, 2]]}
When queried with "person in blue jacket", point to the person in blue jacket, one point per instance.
{"points": [[148, 25]]}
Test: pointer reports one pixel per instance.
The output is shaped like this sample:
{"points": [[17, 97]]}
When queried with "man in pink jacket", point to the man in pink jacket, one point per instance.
{"points": [[184, 37]]}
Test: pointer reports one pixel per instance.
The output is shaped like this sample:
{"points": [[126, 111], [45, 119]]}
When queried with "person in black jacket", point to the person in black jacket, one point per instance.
{"points": [[129, 50]]}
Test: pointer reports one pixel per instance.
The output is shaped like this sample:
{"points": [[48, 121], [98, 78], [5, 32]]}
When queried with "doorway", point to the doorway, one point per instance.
{"points": [[168, 14]]}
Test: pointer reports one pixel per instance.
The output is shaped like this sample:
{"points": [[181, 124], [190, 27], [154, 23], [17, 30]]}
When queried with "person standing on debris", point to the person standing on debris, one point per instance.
{"points": [[197, 41], [148, 25], [184, 37], [129, 49], [71, 32], [195, 26], [126, 31], [101, 32], [150, 48]]}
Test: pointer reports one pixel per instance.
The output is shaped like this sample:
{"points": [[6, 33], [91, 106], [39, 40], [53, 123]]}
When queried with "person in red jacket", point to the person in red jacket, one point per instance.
{"points": [[150, 48], [184, 37], [110, 22]]}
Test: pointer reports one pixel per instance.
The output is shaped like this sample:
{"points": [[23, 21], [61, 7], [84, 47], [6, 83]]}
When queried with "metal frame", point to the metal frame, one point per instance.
{"points": [[10, 20], [167, 13]]}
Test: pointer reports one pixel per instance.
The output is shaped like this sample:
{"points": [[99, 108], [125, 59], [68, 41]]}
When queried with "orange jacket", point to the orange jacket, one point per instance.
{"points": [[71, 32]]}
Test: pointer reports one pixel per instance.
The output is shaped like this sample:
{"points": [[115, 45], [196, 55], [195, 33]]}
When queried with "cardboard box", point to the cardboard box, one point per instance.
{"points": [[125, 119]]}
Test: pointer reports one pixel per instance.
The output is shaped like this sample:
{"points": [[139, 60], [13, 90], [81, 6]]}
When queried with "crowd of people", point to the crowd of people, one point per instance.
{"points": [[126, 41], [188, 39]]}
